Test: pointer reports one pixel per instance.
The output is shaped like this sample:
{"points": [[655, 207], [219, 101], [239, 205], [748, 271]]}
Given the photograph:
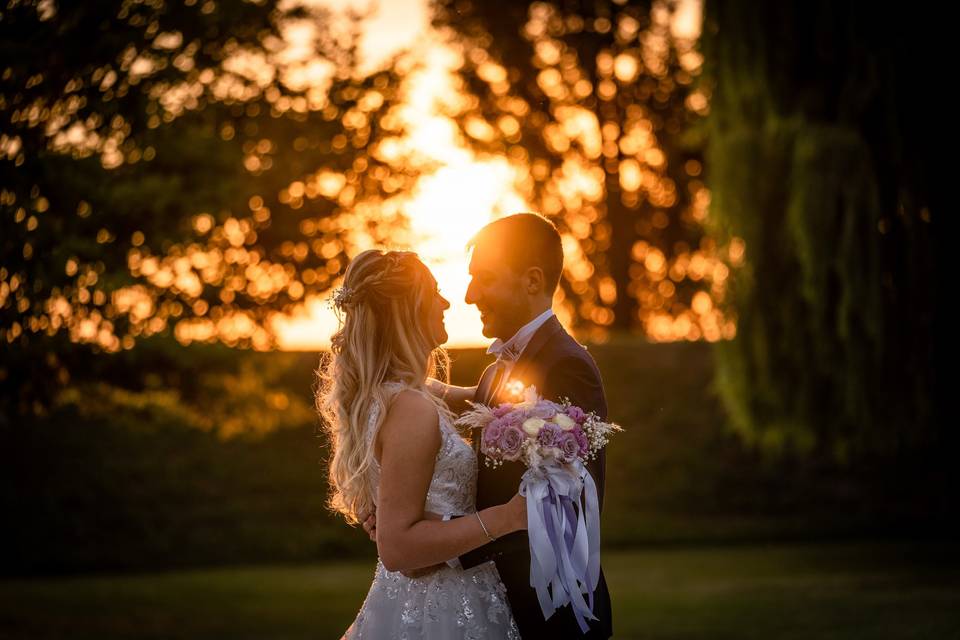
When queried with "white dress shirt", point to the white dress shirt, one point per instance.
{"points": [[511, 350]]}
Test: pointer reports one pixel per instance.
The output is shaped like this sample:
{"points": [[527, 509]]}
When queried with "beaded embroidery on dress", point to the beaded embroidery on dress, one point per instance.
{"points": [[449, 604]]}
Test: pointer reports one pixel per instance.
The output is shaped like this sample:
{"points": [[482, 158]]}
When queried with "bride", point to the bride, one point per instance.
{"points": [[394, 447]]}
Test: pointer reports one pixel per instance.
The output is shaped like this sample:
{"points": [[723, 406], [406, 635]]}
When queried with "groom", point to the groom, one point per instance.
{"points": [[515, 269]]}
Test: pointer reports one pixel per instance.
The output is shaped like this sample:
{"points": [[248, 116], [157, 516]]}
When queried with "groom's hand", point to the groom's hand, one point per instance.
{"points": [[369, 523]]}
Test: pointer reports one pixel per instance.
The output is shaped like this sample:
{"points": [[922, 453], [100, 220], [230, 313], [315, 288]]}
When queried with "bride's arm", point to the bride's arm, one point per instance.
{"points": [[409, 441], [455, 397]]}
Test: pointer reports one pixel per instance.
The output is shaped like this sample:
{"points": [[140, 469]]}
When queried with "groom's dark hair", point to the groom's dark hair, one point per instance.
{"points": [[527, 240]]}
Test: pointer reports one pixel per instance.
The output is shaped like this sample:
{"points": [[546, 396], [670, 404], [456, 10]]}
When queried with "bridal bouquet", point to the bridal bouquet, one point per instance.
{"points": [[563, 515]]}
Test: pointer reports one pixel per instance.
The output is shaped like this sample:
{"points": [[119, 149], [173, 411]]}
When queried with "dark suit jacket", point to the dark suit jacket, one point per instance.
{"points": [[559, 367]]}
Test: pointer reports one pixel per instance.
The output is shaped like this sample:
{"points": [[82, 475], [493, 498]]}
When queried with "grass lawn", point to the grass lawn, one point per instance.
{"points": [[814, 590]]}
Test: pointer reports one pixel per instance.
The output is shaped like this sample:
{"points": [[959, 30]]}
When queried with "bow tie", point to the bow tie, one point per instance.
{"points": [[502, 351]]}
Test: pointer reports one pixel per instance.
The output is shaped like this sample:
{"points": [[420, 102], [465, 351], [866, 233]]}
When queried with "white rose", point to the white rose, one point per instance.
{"points": [[532, 426], [564, 421]]}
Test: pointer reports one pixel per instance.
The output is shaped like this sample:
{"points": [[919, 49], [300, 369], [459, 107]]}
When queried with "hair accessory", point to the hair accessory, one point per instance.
{"points": [[341, 297]]}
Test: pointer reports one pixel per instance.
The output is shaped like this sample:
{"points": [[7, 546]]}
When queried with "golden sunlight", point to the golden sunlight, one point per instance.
{"points": [[447, 207], [460, 192]]}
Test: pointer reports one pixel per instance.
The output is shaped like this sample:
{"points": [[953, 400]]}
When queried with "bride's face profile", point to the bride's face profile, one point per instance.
{"points": [[438, 304]]}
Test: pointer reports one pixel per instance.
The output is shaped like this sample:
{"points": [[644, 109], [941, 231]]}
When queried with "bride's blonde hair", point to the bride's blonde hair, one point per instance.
{"points": [[385, 335]]}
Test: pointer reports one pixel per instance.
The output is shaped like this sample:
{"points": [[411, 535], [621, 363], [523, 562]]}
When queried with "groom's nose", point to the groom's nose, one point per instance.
{"points": [[470, 297]]}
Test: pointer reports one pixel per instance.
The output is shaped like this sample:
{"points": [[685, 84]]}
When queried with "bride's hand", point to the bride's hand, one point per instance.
{"points": [[436, 387], [517, 508], [455, 397]]}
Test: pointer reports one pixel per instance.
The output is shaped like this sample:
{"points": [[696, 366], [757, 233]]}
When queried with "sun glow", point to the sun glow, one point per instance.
{"points": [[447, 208], [448, 205]]}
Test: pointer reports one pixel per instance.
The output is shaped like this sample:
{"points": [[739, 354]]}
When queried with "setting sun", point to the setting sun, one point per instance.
{"points": [[447, 206]]}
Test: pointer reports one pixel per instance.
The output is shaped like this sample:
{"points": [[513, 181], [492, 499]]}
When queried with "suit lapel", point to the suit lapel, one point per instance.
{"points": [[483, 388], [526, 360], [496, 382]]}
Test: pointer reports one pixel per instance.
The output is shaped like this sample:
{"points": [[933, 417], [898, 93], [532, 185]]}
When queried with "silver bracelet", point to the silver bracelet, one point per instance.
{"points": [[477, 513]]}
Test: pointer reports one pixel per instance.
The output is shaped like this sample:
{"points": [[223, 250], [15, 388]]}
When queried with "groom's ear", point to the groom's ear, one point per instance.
{"points": [[534, 281]]}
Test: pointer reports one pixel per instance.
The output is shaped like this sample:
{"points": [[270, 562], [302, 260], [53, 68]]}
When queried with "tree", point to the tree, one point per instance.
{"points": [[821, 160], [596, 104], [178, 169]]}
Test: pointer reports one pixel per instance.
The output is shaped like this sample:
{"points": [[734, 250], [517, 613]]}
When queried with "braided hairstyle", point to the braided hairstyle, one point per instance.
{"points": [[384, 335]]}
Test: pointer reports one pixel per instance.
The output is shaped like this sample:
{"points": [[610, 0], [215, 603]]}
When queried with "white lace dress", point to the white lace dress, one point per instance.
{"points": [[467, 604]]}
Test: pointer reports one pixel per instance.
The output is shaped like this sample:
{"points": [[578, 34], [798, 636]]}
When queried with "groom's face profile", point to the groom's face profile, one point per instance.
{"points": [[498, 292]]}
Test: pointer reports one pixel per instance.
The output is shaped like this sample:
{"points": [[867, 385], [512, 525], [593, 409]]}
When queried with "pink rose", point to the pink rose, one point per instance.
{"points": [[544, 409], [491, 436], [581, 441], [577, 414], [548, 435], [515, 418], [510, 442], [569, 447]]}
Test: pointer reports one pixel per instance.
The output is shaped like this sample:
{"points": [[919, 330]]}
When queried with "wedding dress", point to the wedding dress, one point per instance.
{"points": [[449, 604]]}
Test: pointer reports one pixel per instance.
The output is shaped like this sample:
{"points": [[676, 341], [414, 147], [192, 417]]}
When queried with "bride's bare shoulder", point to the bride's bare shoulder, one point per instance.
{"points": [[411, 400], [411, 413]]}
